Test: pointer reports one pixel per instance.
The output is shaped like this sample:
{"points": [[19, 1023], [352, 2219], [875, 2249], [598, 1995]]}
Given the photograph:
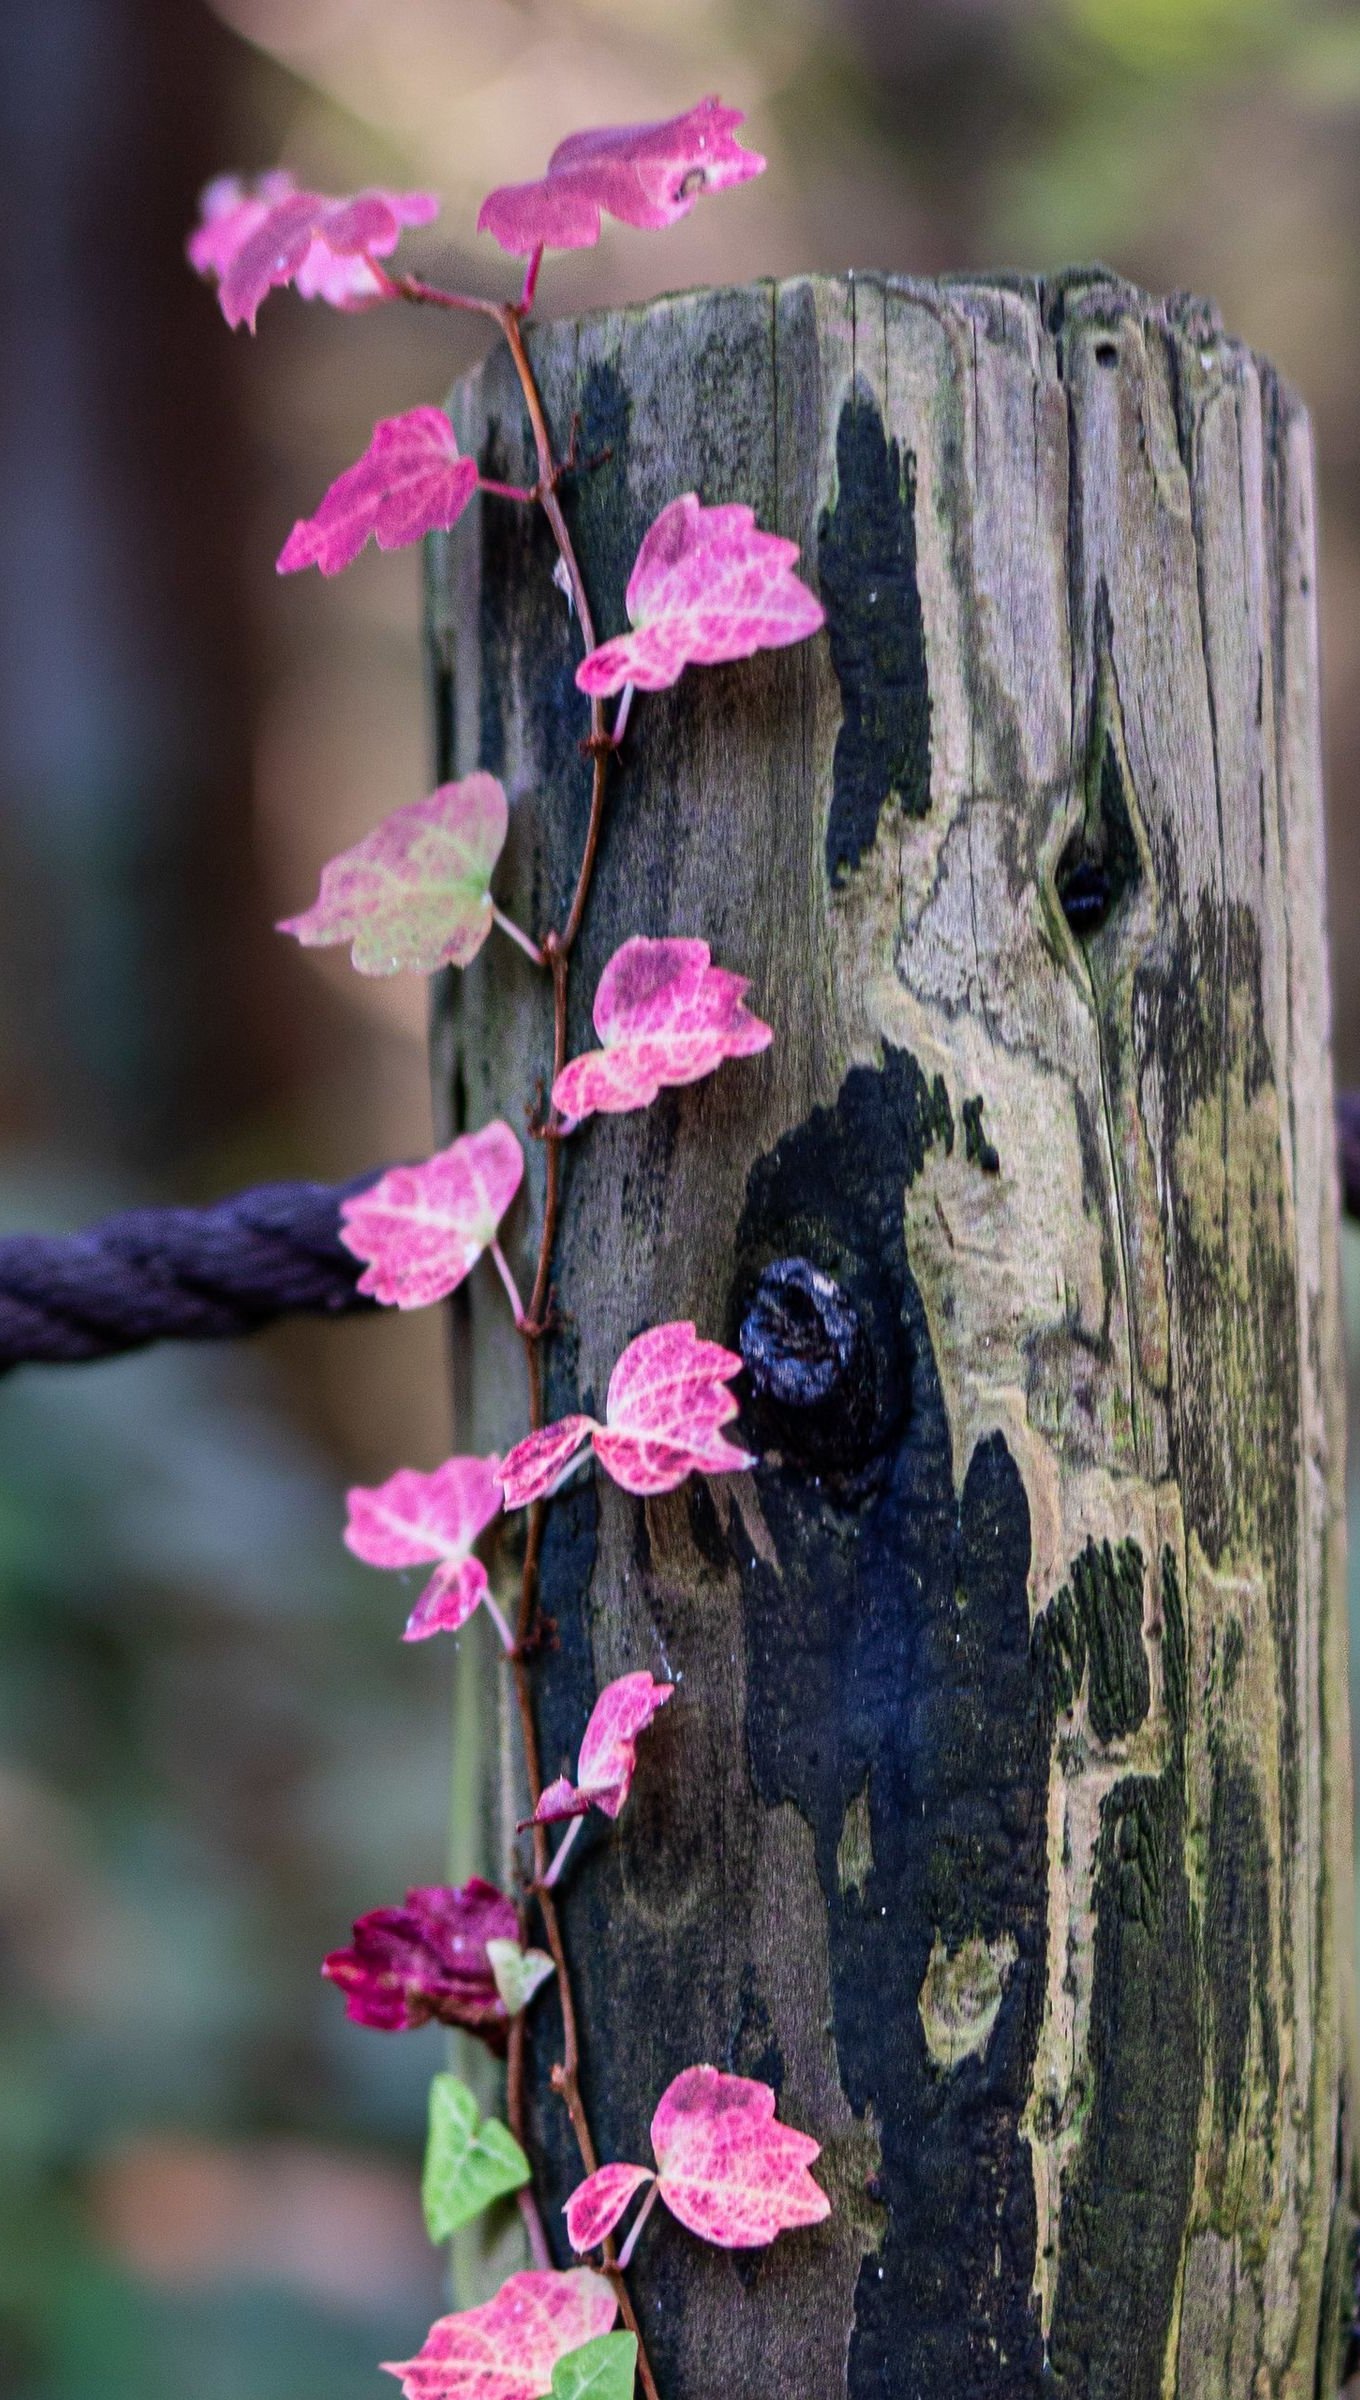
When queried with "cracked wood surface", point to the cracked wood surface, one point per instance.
{"points": [[1002, 1816]]}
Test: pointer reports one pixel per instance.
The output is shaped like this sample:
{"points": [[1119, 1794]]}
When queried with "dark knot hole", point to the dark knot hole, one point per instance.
{"points": [[810, 1362]]}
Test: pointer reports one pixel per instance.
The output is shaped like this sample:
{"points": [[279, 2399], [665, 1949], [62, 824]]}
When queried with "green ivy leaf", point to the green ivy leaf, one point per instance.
{"points": [[467, 2165], [599, 2370]]}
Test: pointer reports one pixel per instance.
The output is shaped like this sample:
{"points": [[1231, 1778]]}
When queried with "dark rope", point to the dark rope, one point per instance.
{"points": [[202, 1274], [183, 1274]]}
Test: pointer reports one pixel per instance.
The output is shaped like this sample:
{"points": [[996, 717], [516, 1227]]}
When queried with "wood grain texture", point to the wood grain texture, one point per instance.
{"points": [[1002, 1816]]}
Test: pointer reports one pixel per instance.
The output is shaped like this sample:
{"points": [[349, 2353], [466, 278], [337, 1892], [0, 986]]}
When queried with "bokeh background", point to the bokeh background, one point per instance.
{"points": [[212, 1753]]}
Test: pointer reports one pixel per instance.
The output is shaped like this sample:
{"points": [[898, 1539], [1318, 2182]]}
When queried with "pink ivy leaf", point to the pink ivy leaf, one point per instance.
{"points": [[537, 1465], [667, 1399], [429, 1958], [726, 2167], [422, 1229], [230, 210], [707, 586], [412, 480], [665, 1015], [557, 1800], [252, 237], [666, 1402], [596, 2205], [646, 175], [413, 1519], [414, 893], [608, 1754], [507, 2348]]}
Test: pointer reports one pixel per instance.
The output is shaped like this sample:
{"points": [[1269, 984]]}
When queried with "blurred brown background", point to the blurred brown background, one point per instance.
{"points": [[212, 1752]]}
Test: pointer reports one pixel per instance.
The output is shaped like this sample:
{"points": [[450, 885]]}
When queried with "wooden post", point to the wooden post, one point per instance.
{"points": [[1002, 1818]]}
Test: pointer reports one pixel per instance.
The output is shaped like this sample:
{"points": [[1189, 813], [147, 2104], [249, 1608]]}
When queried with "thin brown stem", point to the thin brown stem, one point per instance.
{"points": [[527, 494], [549, 476], [430, 295], [533, 2227], [556, 949]]}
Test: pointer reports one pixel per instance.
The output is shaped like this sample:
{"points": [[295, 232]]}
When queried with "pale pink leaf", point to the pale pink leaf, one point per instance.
{"points": [[414, 892], [596, 2205], [646, 175], [665, 1015], [608, 1755], [412, 480], [252, 237], [708, 585], [413, 1519], [667, 1399], [536, 1465], [422, 1229], [507, 2348], [451, 1596], [557, 1801], [727, 2168], [230, 210]]}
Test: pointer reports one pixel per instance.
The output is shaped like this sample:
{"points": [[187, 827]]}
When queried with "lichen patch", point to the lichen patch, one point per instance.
{"points": [[961, 1996]]}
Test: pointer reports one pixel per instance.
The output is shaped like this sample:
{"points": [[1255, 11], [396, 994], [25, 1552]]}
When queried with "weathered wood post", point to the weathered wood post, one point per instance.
{"points": [[1002, 1817]]}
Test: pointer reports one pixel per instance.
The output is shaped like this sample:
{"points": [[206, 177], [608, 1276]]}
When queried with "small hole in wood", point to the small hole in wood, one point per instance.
{"points": [[810, 1363], [1100, 864], [1107, 354]]}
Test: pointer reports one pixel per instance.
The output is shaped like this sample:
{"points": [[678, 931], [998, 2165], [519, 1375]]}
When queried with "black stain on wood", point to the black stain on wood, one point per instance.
{"points": [[604, 521], [888, 1655], [1237, 1935], [1096, 1620], [976, 1148], [1126, 2198], [866, 555], [1228, 1202]]}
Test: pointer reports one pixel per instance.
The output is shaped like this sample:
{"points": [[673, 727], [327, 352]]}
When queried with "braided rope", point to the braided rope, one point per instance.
{"points": [[205, 1274], [185, 1274]]}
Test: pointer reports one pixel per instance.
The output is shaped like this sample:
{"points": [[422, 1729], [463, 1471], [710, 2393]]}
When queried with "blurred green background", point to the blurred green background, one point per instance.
{"points": [[212, 1751]]}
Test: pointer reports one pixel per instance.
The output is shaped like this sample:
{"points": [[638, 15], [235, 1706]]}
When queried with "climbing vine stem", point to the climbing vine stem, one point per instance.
{"points": [[536, 1321]]}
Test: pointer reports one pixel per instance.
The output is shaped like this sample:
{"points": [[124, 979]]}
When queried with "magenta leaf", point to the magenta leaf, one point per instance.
{"points": [[725, 2167], [646, 175], [608, 1755], [667, 1399], [708, 585], [251, 237], [537, 1465], [414, 1518], [559, 1799], [728, 2169], [666, 1402], [507, 2348], [596, 2205], [665, 1015], [422, 1229], [414, 892], [230, 210], [412, 480], [429, 1959]]}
